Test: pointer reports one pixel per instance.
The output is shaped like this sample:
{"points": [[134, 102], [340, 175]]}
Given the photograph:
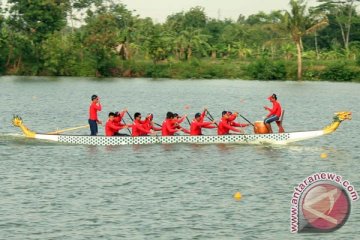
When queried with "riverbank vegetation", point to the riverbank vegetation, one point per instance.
{"points": [[45, 38]]}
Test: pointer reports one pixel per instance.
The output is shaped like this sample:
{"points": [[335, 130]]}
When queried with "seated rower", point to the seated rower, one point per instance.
{"points": [[149, 124], [178, 120], [198, 123], [168, 127], [274, 113], [224, 125], [138, 128], [232, 117], [118, 122], [111, 129]]}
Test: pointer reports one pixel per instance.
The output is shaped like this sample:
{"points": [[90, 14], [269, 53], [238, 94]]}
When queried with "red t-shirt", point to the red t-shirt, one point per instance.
{"points": [[138, 129], [94, 108], [276, 110], [224, 127], [168, 128], [111, 128]]}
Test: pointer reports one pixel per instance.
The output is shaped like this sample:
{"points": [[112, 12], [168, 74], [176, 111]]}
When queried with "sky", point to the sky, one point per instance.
{"points": [[158, 10]]}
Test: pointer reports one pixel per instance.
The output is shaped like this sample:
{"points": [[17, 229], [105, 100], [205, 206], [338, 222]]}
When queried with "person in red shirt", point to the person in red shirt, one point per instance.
{"points": [[169, 127], [224, 125], [95, 106], [118, 122], [198, 123], [149, 124], [138, 128], [231, 119], [274, 112], [178, 120], [111, 128]]}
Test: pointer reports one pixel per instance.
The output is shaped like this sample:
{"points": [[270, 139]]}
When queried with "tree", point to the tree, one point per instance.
{"points": [[101, 38], [299, 24], [38, 18], [344, 12]]}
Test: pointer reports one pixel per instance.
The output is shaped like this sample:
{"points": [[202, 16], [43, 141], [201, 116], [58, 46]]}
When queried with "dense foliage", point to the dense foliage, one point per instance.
{"points": [[41, 37]]}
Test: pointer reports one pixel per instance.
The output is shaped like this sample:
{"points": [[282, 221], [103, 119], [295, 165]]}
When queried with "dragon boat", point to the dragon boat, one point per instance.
{"points": [[270, 138]]}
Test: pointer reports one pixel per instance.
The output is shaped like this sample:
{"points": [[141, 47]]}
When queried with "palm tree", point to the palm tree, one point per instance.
{"points": [[190, 40], [299, 24]]}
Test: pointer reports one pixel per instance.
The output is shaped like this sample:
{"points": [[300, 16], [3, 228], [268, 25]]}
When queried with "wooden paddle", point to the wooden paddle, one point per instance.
{"points": [[68, 129]]}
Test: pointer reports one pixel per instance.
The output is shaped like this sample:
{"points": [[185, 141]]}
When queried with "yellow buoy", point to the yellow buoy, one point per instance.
{"points": [[323, 155], [237, 196]]}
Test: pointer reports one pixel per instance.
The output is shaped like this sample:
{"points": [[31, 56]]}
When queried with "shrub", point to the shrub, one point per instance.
{"points": [[266, 69], [339, 72]]}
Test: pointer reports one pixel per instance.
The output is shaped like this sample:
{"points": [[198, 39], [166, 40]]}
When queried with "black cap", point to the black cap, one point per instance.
{"points": [[111, 114], [93, 97], [223, 113], [197, 115], [117, 113]]}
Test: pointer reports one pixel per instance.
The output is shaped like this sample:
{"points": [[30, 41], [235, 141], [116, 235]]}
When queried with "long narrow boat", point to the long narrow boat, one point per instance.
{"points": [[273, 138]]}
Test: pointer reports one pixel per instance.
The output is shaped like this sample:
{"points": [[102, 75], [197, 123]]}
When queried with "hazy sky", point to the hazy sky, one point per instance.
{"points": [[158, 10]]}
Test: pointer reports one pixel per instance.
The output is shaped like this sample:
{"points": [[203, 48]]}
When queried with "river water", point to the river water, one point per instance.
{"points": [[59, 191]]}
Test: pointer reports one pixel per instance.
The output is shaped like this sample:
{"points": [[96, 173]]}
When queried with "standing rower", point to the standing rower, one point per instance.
{"points": [[198, 123], [95, 106], [274, 112]]}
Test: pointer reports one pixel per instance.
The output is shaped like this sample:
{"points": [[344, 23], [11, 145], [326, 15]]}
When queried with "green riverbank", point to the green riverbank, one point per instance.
{"points": [[260, 69]]}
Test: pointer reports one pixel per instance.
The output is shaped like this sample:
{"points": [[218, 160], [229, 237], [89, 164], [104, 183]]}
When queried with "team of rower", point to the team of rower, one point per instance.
{"points": [[171, 124]]}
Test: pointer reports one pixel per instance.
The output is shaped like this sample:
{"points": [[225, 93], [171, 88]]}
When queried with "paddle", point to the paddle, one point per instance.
{"points": [[130, 116], [188, 120], [211, 117], [246, 120], [122, 119], [68, 129]]}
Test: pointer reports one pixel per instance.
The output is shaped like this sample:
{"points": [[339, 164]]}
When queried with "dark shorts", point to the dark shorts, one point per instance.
{"points": [[271, 119], [121, 134], [93, 127]]}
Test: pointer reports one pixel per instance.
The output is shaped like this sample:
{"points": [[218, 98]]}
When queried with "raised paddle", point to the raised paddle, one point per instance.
{"points": [[68, 129]]}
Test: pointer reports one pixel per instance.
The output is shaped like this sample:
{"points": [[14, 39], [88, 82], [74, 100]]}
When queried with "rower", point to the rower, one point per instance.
{"points": [[95, 106], [177, 120], [111, 128], [274, 112], [224, 125], [231, 119], [118, 122], [138, 128], [198, 123], [149, 124], [168, 127]]}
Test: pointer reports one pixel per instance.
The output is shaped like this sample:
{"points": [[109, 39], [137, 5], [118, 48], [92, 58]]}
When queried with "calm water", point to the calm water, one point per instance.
{"points": [[54, 191]]}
